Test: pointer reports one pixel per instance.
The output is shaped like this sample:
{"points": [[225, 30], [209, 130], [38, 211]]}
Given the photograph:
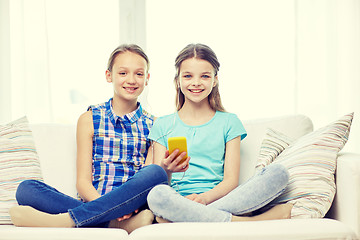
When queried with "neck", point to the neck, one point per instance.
{"points": [[122, 107], [196, 114]]}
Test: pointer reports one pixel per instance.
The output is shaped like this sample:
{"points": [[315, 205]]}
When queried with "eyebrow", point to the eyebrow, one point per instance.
{"points": [[201, 73], [126, 68]]}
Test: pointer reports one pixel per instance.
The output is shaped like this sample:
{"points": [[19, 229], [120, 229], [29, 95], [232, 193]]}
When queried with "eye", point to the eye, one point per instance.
{"points": [[206, 76], [140, 74], [187, 76], [122, 73]]}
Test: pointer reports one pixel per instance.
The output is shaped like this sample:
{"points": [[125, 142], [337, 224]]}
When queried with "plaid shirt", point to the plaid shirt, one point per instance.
{"points": [[120, 145]]}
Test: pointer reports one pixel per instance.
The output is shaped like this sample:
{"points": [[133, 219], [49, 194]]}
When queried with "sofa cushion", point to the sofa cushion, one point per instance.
{"points": [[40, 233], [18, 162], [285, 229], [311, 162]]}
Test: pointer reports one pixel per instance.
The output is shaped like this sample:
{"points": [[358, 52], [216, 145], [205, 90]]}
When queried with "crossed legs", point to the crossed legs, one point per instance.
{"points": [[38, 210], [258, 192]]}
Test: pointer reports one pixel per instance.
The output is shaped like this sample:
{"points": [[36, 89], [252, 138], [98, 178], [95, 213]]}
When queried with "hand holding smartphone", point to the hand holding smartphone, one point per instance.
{"points": [[178, 143]]}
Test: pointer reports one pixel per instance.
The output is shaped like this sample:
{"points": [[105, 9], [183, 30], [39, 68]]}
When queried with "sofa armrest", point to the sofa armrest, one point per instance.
{"points": [[346, 205]]}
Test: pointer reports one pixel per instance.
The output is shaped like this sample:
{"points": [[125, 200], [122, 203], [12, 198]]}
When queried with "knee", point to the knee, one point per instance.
{"points": [[158, 173], [280, 173], [24, 190], [157, 196], [283, 172]]}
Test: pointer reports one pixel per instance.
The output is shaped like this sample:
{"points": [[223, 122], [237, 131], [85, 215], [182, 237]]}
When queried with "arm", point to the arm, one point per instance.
{"points": [[149, 157], [84, 135], [346, 205], [231, 175]]}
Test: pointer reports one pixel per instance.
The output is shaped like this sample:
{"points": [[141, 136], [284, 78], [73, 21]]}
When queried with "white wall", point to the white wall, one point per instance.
{"points": [[5, 104], [328, 60], [254, 41], [277, 57]]}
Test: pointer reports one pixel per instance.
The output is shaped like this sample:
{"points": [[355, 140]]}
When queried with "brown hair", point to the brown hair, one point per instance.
{"points": [[199, 51], [127, 48]]}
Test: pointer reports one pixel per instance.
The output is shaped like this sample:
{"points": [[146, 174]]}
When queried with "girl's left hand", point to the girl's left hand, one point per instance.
{"points": [[197, 198]]}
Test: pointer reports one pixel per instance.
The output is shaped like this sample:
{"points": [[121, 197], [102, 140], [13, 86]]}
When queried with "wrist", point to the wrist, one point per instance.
{"points": [[204, 198]]}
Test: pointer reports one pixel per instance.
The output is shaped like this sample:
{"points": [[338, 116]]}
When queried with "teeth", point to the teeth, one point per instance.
{"points": [[196, 91]]}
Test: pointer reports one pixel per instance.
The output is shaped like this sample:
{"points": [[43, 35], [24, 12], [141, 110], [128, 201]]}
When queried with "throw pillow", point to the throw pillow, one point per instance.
{"points": [[311, 162], [18, 162], [272, 145]]}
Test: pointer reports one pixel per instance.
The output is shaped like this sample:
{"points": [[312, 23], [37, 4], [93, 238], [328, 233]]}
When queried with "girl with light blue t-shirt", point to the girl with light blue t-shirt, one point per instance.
{"points": [[204, 188]]}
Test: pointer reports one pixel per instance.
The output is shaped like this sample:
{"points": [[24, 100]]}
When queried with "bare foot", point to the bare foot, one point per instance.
{"points": [[26, 216], [143, 218], [162, 220], [281, 211]]}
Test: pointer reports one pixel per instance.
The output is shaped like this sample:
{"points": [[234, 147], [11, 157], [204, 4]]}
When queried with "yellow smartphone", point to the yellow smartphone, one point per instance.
{"points": [[178, 143]]}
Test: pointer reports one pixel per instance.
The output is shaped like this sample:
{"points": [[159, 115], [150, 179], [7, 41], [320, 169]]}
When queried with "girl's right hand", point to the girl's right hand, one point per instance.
{"points": [[171, 161], [127, 216]]}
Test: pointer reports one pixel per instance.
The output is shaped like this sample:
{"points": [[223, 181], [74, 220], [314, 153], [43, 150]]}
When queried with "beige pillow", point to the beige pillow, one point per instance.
{"points": [[311, 162], [18, 162]]}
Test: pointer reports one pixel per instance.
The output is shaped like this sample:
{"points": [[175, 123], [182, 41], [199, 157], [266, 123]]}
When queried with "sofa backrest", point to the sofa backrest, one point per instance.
{"points": [[56, 147]]}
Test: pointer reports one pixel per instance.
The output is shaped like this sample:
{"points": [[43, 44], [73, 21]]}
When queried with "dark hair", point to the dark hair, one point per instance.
{"points": [[127, 48], [199, 51]]}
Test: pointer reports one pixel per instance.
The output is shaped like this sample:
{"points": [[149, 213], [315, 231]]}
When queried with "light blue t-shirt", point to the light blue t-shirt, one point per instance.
{"points": [[206, 148]]}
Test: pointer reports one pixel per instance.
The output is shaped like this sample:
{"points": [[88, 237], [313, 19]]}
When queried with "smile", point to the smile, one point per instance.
{"points": [[196, 90], [130, 89]]}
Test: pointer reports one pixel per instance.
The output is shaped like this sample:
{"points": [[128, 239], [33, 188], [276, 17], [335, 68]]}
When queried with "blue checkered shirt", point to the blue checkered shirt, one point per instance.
{"points": [[120, 145]]}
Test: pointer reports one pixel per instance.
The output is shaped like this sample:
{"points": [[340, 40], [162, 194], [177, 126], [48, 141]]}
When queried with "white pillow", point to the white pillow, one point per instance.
{"points": [[311, 162], [18, 162]]}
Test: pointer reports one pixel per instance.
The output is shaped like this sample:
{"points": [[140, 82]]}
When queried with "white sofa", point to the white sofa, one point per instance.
{"points": [[56, 147]]}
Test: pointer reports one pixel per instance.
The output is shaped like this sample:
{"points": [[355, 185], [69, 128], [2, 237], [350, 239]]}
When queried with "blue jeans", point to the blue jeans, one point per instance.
{"points": [[97, 213], [256, 193]]}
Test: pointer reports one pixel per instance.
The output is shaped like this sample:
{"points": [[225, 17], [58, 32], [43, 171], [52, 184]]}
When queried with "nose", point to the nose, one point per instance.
{"points": [[131, 79], [196, 81]]}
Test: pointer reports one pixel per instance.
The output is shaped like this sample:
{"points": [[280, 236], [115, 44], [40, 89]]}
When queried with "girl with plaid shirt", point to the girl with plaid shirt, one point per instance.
{"points": [[112, 148]]}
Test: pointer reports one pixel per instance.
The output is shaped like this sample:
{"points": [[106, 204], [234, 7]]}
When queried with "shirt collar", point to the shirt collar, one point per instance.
{"points": [[127, 118]]}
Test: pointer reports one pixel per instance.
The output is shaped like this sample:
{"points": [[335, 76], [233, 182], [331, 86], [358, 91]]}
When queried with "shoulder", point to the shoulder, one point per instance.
{"points": [[164, 122], [85, 117], [85, 122], [228, 116], [148, 116], [232, 125], [99, 106], [165, 118]]}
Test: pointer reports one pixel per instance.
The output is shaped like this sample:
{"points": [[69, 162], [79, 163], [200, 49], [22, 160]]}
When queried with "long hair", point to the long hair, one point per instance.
{"points": [[199, 51], [127, 48]]}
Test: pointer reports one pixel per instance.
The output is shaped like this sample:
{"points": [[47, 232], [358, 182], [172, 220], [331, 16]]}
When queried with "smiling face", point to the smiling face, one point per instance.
{"points": [[196, 80], [129, 76]]}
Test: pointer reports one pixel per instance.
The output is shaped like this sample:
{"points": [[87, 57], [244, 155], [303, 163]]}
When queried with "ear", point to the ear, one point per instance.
{"points": [[177, 82], [108, 76], [147, 79], [216, 81]]}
